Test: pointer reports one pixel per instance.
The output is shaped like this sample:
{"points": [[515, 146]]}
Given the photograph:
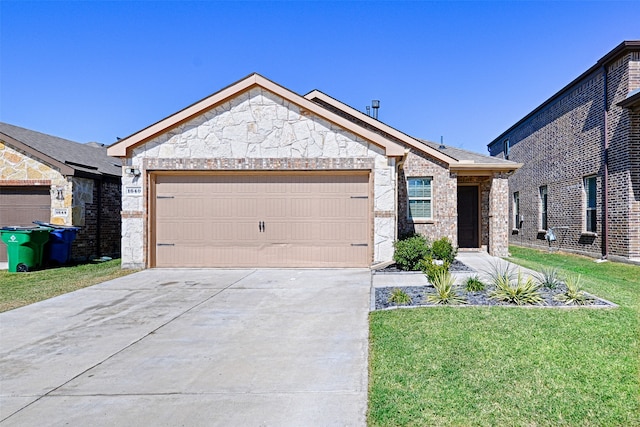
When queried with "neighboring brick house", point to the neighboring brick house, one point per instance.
{"points": [[581, 156], [256, 175], [50, 179]]}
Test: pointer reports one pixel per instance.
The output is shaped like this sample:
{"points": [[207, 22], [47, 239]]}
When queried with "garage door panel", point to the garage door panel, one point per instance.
{"points": [[310, 220], [21, 205]]}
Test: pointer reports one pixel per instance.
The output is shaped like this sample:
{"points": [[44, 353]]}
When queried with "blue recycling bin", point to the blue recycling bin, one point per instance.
{"points": [[58, 249]]}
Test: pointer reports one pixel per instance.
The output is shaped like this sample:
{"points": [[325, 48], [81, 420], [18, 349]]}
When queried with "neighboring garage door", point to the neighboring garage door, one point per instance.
{"points": [[262, 220], [21, 206]]}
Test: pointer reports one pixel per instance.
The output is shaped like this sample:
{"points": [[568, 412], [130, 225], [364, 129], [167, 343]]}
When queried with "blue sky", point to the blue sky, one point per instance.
{"points": [[94, 70]]}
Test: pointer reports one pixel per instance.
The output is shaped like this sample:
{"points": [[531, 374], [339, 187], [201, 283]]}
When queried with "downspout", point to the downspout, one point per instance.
{"points": [[99, 219], [605, 184]]}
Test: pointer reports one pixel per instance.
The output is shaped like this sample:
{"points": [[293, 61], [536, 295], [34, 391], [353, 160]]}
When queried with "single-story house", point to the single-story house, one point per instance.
{"points": [[51, 179], [257, 175]]}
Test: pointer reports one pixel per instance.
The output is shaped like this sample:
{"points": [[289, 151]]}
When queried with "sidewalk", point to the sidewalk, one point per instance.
{"points": [[480, 262]]}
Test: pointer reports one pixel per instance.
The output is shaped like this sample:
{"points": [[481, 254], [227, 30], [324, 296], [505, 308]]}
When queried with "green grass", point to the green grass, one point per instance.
{"points": [[19, 289], [486, 366]]}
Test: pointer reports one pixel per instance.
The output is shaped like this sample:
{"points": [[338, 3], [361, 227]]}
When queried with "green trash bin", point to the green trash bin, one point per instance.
{"points": [[24, 246]]}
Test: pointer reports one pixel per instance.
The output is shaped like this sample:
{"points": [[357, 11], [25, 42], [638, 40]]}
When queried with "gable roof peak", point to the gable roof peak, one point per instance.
{"points": [[123, 147]]}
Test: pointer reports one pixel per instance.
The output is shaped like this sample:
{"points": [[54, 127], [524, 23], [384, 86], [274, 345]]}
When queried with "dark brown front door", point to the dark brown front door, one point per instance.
{"points": [[468, 217]]}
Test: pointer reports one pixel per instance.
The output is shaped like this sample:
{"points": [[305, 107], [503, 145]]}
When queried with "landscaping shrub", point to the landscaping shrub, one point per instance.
{"points": [[519, 292], [432, 267], [573, 294], [474, 284], [445, 293], [410, 251], [501, 274], [399, 297], [443, 249], [549, 277]]}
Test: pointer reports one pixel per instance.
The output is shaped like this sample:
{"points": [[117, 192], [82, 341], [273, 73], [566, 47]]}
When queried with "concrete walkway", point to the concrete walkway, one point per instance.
{"points": [[481, 262], [192, 347]]}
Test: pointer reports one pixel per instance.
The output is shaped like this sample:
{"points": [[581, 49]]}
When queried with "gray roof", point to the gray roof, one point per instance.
{"points": [[87, 158], [465, 155]]}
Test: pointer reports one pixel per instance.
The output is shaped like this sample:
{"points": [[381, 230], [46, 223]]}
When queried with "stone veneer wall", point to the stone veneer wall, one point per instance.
{"points": [[564, 143], [20, 168], [257, 130]]}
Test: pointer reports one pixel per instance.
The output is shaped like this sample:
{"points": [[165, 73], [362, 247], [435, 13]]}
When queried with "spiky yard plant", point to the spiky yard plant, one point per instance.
{"points": [[549, 278], [501, 274], [519, 292], [399, 297], [445, 293], [474, 284], [573, 295]]}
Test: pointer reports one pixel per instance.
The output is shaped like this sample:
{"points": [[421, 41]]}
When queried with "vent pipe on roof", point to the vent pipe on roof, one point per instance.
{"points": [[442, 146], [368, 111], [375, 104]]}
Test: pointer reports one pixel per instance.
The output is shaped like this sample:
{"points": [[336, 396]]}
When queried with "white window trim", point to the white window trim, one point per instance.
{"points": [[516, 210], [419, 219], [586, 204], [543, 212]]}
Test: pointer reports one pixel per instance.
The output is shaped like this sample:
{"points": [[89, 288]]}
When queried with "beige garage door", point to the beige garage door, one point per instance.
{"points": [[266, 220], [21, 206]]}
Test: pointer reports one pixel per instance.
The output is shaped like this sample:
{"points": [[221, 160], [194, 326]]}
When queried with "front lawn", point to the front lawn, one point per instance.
{"points": [[18, 289], [512, 366]]}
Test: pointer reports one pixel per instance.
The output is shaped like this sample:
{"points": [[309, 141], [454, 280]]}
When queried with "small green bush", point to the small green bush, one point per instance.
{"points": [[432, 267], [445, 293], [443, 249], [573, 294], [410, 251], [399, 297], [474, 284], [520, 292]]}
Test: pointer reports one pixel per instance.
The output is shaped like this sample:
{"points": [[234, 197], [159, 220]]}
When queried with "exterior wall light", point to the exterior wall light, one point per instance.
{"points": [[132, 171]]}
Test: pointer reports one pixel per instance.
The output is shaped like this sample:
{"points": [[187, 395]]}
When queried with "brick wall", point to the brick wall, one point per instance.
{"points": [[444, 199], [493, 228], [562, 144], [634, 209], [99, 220]]}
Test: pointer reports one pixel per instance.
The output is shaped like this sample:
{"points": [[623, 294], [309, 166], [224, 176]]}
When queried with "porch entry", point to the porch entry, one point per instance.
{"points": [[468, 220]]}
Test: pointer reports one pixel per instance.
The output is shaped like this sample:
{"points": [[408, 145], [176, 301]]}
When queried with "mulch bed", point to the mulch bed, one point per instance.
{"points": [[418, 293]]}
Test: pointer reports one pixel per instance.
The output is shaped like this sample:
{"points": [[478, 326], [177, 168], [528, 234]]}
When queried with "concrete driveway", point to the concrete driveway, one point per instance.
{"points": [[194, 348]]}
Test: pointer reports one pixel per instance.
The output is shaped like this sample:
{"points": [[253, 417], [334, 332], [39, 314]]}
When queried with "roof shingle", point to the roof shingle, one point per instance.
{"points": [[89, 158]]}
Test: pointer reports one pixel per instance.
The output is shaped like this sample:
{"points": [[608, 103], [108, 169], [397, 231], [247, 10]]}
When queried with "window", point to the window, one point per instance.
{"points": [[419, 191], [590, 190], [505, 149], [516, 210], [543, 208]]}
